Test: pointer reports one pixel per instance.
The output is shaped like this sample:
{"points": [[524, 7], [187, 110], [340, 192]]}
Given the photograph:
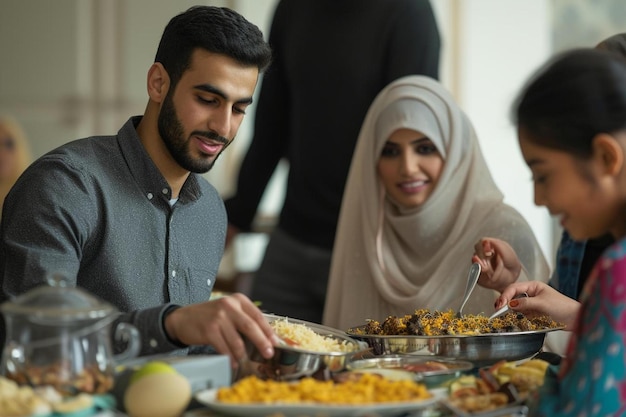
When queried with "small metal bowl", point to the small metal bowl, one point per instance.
{"points": [[431, 371], [289, 362]]}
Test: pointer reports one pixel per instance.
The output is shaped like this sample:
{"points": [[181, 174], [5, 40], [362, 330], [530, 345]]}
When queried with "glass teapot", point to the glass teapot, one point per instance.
{"points": [[59, 336]]}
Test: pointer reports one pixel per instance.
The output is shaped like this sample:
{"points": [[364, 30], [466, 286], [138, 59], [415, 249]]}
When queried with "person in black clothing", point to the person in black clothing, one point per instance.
{"points": [[331, 58]]}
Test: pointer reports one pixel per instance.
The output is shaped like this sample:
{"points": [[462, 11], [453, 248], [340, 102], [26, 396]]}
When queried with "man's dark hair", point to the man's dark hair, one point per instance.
{"points": [[215, 29]]}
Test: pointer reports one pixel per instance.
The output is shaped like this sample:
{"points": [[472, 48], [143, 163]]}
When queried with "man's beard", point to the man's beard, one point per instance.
{"points": [[173, 136]]}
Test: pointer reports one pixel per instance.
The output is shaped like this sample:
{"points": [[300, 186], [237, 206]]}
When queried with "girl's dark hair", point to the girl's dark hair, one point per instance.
{"points": [[615, 43], [576, 95], [215, 29]]}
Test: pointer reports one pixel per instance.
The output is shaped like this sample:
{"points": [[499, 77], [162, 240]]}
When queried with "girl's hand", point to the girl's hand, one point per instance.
{"points": [[499, 262], [542, 300]]}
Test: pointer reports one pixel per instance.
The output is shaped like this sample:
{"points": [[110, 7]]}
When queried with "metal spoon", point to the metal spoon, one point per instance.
{"points": [[506, 307], [472, 279]]}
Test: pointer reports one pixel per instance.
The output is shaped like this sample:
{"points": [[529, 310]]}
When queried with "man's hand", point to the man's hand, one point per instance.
{"points": [[221, 324]]}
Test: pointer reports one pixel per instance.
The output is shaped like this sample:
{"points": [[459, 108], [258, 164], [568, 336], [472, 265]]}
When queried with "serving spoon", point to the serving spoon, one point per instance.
{"points": [[506, 307], [472, 279]]}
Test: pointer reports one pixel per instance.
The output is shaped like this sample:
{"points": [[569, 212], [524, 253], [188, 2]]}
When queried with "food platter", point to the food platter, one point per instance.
{"points": [[481, 349], [208, 399]]}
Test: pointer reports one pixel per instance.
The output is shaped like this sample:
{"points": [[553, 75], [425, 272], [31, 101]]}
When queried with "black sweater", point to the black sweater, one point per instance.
{"points": [[331, 58]]}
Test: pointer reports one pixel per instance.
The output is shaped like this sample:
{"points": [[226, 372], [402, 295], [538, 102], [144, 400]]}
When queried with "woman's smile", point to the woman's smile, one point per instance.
{"points": [[413, 186]]}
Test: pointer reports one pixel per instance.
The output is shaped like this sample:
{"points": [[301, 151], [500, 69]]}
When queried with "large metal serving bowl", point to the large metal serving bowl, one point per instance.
{"points": [[291, 362], [481, 350]]}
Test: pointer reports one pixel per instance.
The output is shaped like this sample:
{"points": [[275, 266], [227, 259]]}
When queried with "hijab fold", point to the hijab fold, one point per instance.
{"points": [[390, 260]]}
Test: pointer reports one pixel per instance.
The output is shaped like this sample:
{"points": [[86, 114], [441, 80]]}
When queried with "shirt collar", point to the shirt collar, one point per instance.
{"points": [[145, 172]]}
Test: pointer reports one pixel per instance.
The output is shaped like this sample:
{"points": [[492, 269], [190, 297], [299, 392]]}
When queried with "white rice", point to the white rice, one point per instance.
{"points": [[307, 339]]}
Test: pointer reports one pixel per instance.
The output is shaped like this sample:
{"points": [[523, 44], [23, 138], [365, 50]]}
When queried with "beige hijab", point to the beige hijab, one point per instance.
{"points": [[389, 260]]}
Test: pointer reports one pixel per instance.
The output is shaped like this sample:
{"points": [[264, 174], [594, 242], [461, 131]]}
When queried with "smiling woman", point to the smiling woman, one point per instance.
{"points": [[418, 196]]}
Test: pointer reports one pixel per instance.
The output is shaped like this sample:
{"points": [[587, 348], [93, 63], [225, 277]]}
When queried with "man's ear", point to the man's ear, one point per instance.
{"points": [[158, 82], [608, 153]]}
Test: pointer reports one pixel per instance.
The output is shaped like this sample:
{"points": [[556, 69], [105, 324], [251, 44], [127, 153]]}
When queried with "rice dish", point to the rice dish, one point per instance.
{"points": [[424, 322], [302, 337]]}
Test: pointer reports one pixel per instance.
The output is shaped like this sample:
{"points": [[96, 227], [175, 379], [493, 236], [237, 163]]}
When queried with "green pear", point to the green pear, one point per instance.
{"points": [[154, 367]]}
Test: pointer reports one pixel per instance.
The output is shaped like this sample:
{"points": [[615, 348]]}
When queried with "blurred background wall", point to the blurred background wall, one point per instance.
{"points": [[74, 68]]}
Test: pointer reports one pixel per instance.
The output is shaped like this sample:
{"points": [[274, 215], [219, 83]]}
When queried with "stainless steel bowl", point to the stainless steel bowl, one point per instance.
{"points": [[481, 350], [291, 362], [422, 367]]}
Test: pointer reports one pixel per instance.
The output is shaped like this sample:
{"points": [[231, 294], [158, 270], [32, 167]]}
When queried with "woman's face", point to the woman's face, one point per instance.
{"points": [[571, 189], [409, 167]]}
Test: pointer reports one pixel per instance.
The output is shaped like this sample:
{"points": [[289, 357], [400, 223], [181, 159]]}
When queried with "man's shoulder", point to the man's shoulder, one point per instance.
{"points": [[95, 155], [83, 147]]}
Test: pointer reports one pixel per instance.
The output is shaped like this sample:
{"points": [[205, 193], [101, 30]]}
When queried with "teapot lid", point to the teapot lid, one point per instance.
{"points": [[59, 301]]}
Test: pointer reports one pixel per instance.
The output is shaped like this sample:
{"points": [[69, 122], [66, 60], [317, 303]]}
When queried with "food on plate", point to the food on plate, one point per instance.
{"points": [[303, 337], [424, 322], [73, 404], [388, 373], [426, 366], [157, 390], [429, 371], [496, 386], [19, 401], [526, 376], [365, 388], [481, 402], [432, 373]]}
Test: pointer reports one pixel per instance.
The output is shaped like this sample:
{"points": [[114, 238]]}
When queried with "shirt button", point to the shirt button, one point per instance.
{"points": [[208, 282], [165, 191], [153, 343], [174, 274], [150, 196]]}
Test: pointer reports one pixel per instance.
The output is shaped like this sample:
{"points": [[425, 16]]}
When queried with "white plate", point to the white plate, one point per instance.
{"points": [[207, 398]]}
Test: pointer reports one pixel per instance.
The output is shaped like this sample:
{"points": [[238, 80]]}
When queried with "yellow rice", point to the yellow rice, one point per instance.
{"points": [[368, 389]]}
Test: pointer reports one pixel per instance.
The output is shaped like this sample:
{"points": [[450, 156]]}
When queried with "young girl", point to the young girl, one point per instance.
{"points": [[574, 261], [418, 195], [571, 120]]}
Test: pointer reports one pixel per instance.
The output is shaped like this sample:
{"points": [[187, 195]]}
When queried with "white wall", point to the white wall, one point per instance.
{"points": [[500, 43]]}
